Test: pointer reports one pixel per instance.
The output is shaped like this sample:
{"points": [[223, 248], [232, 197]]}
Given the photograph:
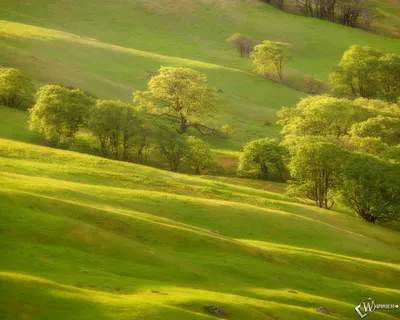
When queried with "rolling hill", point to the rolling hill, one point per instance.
{"points": [[84, 237], [89, 238]]}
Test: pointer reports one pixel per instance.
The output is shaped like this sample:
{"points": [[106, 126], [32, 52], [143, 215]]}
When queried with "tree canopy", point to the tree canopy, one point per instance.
{"points": [[199, 155], [183, 96], [386, 128], [172, 146], [16, 89], [60, 112], [115, 124], [315, 166], [322, 116], [366, 72], [371, 187], [269, 57], [244, 45], [264, 152]]}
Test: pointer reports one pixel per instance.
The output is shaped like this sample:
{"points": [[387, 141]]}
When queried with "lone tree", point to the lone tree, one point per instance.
{"points": [[371, 188], [199, 155], [116, 125], [264, 152], [389, 77], [315, 166], [172, 146], [269, 57], [314, 85], [356, 73], [184, 96], [60, 112], [16, 90], [243, 44]]}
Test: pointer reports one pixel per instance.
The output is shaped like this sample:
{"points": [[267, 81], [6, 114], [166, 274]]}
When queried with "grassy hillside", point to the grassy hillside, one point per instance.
{"points": [[84, 237], [88, 238], [107, 48]]}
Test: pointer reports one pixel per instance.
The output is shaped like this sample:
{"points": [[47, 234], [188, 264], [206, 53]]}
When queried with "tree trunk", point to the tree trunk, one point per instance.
{"points": [[264, 170], [184, 125], [280, 171]]}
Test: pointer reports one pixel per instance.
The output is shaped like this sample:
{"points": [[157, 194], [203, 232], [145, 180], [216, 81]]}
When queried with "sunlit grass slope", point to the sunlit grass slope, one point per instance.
{"points": [[108, 47], [83, 237]]}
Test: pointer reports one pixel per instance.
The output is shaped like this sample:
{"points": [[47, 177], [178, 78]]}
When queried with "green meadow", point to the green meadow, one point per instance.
{"points": [[89, 238], [84, 237]]}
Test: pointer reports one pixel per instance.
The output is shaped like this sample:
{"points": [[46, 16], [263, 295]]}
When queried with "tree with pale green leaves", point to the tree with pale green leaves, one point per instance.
{"points": [[315, 166], [371, 188], [322, 116], [173, 146], [388, 77], [269, 57], [182, 96], [116, 125], [386, 128], [366, 72], [60, 112], [16, 89], [356, 73], [199, 155], [265, 153]]}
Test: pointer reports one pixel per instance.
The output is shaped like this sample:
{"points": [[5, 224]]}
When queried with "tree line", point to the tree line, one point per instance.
{"points": [[161, 119], [352, 13]]}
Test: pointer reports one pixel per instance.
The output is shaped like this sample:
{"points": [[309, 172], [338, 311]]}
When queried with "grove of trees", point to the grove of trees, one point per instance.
{"points": [[178, 103], [352, 13], [340, 148]]}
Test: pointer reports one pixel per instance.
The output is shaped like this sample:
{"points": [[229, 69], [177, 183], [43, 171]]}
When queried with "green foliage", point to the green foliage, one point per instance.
{"points": [[386, 128], [389, 77], [264, 152], [379, 107], [269, 57], [368, 145], [172, 145], [322, 116], [181, 95], [16, 90], [355, 75], [199, 155], [315, 166], [243, 44], [371, 188], [115, 124], [366, 72], [60, 112], [314, 85]]}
